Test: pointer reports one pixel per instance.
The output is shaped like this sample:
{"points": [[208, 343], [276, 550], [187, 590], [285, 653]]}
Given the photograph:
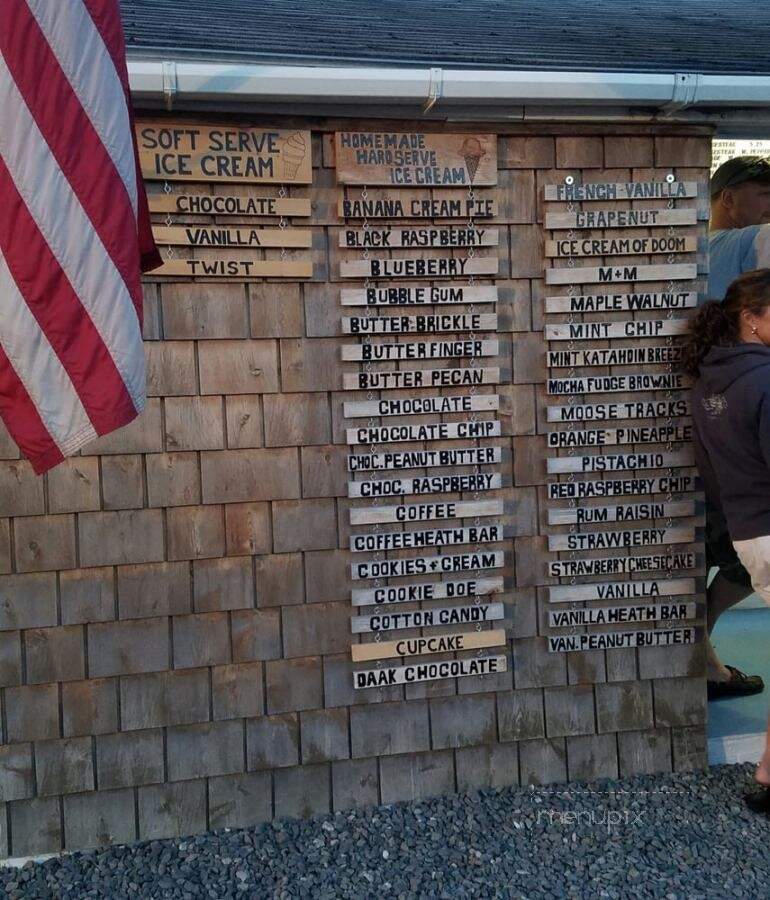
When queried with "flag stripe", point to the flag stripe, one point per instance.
{"points": [[71, 138], [68, 327], [106, 19], [23, 420], [75, 228], [108, 24], [39, 368], [72, 239], [91, 73]]}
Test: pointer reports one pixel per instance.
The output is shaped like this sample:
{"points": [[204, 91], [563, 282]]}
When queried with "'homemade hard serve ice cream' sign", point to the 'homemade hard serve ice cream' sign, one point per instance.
{"points": [[415, 159]]}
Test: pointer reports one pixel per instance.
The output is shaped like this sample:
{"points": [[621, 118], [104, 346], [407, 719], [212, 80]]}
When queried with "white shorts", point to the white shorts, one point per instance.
{"points": [[755, 556]]}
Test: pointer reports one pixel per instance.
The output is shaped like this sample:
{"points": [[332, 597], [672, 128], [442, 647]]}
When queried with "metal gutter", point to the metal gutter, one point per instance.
{"points": [[451, 93]]}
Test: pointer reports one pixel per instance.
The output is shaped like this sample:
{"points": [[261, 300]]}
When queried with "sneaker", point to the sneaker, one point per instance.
{"points": [[738, 685]]}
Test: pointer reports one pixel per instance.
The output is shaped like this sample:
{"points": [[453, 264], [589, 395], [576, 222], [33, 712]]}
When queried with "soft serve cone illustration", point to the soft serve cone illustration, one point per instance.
{"points": [[472, 151], [294, 150]]}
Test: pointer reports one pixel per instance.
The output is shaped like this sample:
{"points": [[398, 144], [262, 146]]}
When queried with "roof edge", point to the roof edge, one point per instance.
{"points": [[446, 93]]}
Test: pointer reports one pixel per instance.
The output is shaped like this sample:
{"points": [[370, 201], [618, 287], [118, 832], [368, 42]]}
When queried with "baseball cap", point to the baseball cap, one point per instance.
{"points": [[739, 169]]}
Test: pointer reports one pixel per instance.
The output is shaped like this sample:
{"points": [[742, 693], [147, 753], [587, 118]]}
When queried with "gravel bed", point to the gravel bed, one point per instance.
{"points": [[669, 836]]}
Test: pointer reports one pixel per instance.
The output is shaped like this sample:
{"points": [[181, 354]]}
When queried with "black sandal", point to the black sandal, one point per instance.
{"points": [[759, 802], [739, 685]]}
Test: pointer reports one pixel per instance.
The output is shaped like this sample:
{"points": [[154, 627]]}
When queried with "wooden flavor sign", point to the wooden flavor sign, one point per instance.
{"points": [[241, 236], [243, 269], [418, 295], [434, 431], [653, 354], [425, 512], [424, 324], [433, 617], [428, 484], [609, 540], [621, 462], [620, 273], [420, 646], [622, 590], [627, 190], [599, 331], [455, 236], [427, 590], [183, 204], [621, 246], [613, 384], [610, 640], [620, 512], [437, 537], [184, 151], [619, 487], [423, 378], [446, 349], [416, 208], [601, 303], [418, 159], [424, 459], [621, 218], [630, 409], [607, 437], [445, 267], [429, 565], [620, 615], [430, 671], [421, 406], [623, 565]]}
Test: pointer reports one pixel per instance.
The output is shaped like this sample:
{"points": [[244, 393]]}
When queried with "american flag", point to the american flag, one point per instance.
{"points": [[74, 228]]}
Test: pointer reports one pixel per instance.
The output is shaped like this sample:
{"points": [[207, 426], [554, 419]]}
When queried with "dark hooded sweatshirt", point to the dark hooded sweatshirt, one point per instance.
{"points": [[731, 418]]}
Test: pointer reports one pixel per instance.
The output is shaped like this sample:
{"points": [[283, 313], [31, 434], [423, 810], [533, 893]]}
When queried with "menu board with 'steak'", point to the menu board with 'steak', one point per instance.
{"points": [[647, 478], [456, 450]]}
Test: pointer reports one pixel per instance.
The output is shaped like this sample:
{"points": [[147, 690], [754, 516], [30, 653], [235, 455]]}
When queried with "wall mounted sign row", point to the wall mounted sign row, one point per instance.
{"points": [[583, 529], [463, 354], [233, 161]]}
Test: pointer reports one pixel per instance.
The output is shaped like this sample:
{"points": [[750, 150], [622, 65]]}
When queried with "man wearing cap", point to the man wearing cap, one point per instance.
{"points": [[739, 240]]}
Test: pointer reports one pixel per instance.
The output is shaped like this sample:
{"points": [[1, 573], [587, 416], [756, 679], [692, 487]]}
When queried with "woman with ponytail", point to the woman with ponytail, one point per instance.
{"points": [[729, 354]]}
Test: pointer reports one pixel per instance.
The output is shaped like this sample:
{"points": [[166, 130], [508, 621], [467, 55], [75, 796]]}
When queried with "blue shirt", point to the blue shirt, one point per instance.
{"points": [[732, 251]]}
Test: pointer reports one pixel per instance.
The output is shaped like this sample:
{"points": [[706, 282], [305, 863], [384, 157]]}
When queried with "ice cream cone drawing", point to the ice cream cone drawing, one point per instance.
{"points": [[294, 150], [472, 151]]}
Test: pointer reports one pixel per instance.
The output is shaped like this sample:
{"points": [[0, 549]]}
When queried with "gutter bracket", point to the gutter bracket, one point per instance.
{"points": [[684, 94], [434, 89], [169, 83]]}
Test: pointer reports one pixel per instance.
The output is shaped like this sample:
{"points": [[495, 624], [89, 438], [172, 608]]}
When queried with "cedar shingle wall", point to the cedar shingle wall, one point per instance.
{"points": [[174, 638]]}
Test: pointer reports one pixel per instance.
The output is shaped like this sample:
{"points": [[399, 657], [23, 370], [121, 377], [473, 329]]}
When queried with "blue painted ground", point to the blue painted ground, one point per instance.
{"points": [[742, 638]]}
